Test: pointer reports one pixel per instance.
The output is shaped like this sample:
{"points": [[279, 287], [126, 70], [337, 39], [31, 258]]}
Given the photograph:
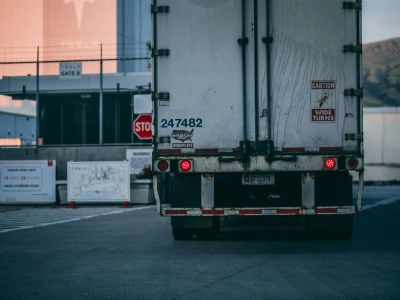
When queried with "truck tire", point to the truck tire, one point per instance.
{"points": [[209, 233], [182, 234], [343, 234], [206, 234]]}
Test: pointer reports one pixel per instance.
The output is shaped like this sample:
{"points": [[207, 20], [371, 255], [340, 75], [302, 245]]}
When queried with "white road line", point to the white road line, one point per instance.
{"points": [[383, 202], [74, 218]]}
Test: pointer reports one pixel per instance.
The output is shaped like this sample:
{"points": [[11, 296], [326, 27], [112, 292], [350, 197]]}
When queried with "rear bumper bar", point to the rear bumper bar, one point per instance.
{"points": [[259, 211], [308, 208]]}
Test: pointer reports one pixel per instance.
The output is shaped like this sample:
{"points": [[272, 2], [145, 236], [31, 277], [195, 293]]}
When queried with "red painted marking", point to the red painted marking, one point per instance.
{"points": [[294, 149], [175, 212], [323, 115], [169, 150], [206, 150], [329, 149], [212, 212], [250, 212], [292, 211], [325, 210], [49, 163]]}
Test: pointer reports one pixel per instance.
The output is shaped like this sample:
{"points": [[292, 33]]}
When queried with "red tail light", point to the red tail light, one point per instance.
{"points": [[163, 165], [185, 165], [330, 163], [352, 163]]}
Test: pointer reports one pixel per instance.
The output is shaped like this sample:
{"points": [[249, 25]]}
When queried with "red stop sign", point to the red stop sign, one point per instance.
{"points": [[142, 126]]}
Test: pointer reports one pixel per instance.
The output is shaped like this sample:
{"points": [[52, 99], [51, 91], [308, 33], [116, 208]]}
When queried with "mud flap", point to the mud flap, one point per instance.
{"points": [[156, 195]]}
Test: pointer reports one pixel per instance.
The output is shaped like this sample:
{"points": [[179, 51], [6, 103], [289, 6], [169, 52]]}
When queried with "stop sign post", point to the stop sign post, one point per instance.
{"points": [[142, 127]]}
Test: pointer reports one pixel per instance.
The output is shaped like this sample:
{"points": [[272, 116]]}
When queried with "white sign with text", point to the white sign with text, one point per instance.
{"points": [[28, 181], [140, 163], [98, 181], [70, 70]]}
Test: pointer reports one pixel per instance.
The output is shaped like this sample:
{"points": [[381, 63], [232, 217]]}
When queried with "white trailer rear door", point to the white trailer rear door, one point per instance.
{"points": [[202, 74]]}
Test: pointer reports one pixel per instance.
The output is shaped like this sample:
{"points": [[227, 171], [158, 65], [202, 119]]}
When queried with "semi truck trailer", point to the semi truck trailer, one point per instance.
{"points": [[257, 111]]}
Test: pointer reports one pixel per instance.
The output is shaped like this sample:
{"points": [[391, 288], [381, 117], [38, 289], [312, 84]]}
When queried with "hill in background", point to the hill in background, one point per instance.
{"points": [[381, 76]]}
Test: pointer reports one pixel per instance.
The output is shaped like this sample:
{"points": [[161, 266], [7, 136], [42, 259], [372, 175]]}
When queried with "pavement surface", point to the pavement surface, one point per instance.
{"points": [[115, 253]]}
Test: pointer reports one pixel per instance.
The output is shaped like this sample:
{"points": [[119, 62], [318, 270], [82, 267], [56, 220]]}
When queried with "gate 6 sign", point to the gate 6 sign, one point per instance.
{"points": [[142, 126]]}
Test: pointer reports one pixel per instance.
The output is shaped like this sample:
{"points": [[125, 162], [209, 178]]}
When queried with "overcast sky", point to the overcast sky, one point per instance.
{"points": [[381, 20]]}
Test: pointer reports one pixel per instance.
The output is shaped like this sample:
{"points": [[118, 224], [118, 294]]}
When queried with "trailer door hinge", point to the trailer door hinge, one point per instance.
{"points": [[161, 139], [159, 9], [267, 40], [159, 52], [353, 93], [353, 137], [352, 49], [162, 97], [243, 41], [351, 5]]}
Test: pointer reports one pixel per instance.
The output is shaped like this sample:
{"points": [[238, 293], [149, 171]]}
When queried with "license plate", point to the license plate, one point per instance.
{"points": [[258, 179]]}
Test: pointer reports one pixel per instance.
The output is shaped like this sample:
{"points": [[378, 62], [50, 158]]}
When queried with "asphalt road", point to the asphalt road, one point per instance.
{"points": [[132, 255]]}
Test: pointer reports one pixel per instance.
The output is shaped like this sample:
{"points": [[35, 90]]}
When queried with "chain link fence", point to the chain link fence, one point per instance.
{"points": [[82, 102]]}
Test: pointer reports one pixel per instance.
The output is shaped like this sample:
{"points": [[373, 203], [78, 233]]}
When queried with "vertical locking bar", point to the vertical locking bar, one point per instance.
{"points": [[308, 189]]}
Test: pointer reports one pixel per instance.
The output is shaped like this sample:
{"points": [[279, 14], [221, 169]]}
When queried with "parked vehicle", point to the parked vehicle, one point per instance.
{"points": [[257, 110]]}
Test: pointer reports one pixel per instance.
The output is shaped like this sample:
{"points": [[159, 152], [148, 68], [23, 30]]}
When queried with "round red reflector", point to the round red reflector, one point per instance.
{"points": [[185, 165], [162, 165], [352, 163], [330, 163]]}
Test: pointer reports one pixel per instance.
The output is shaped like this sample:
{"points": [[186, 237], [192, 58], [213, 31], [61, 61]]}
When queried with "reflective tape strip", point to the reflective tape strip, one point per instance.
{"points": [[250, 212], [175, 212], [288, 211], [325, 211], [347, 210], [269, 212], [212, 212], [311, 149], [257, 211]]}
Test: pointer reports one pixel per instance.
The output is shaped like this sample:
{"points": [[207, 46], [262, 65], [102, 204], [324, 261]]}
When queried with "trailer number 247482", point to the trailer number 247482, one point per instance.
{"points": [[181, 123]]}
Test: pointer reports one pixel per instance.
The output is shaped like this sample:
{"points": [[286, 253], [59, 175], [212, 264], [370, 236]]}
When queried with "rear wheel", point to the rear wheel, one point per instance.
{"points": [[209, 233], [182, 234], [206, 234], [343, 234]]}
